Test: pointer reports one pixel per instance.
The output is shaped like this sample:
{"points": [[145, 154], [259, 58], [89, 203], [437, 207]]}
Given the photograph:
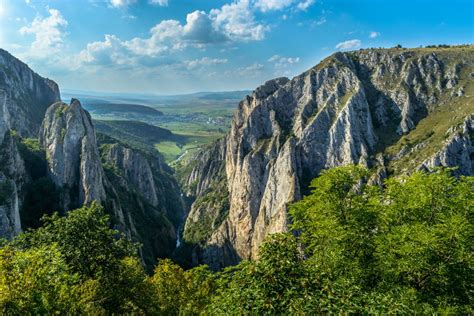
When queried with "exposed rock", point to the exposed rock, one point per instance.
{"points": [[74, 163], [10, 224], [24, 97], [12, 179], [343, 111], [457, 151], [136, 170], [146, 198]]}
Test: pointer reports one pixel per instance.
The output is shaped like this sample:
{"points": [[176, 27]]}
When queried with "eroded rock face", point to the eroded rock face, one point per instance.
{"points": [[136, 170], [74, 163], [24, 97], [145, 196], [457, 151], [337, 113]]}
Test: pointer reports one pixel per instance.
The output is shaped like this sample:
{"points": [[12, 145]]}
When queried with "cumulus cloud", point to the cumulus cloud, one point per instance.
{"points": [[236, 21], [205, 61], [121, 3], [162, 3], [276, 5], [281, 62], [199, 28], [109, 52], [270, 5], [304, 5], [351, 44], [231, 23], [49, 33], [374, 34]]}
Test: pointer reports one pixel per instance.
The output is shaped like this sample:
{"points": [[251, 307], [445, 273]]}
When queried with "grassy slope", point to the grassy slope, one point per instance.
{"points": [[450, 111], [105, 108], [137, 134]]}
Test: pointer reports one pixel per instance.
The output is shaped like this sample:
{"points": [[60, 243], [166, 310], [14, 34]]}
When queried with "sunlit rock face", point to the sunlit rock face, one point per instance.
{"points": [[349, 109], [24, 98], [74, 163]]}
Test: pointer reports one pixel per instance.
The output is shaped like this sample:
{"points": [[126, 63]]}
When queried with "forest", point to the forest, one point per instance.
{"points": [[354, 248]]}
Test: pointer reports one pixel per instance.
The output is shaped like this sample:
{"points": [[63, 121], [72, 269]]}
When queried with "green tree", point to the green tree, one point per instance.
{"points": [[38, 281], [84, 239], [95, 253], [177, 291], [265, 286]]}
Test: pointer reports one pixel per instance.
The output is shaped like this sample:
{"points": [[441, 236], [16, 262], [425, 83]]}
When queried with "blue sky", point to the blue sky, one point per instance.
{"points": [[181, 46]]}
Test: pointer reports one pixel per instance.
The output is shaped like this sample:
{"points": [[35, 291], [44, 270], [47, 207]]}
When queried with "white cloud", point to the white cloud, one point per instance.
{"points": [[199, 28], [277, 5], [281, 62], [122, 3], [271, 5], [231, 23], [162, 3], [205, 61], [374, 34], [351, 44], [109, 52], [236, 21], [304, 5], [49, 33], [319, 22]]}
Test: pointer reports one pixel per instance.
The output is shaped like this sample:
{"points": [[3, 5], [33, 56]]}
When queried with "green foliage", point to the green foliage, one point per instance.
{"points": [[38, 281], [405, 248], [181, 292], [84, 238], [95, 263], [266, 286], [41, 198], [214, 204], [41, 194]]}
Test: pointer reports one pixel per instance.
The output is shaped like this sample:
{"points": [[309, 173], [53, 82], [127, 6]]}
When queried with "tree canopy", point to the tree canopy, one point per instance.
{"points": [[405, 247]]}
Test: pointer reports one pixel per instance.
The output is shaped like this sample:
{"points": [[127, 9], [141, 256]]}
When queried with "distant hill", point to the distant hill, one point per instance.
{"points": [[135, 133], [111, 108]]}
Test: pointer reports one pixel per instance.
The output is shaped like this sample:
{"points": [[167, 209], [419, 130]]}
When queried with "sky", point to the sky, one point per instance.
{"points": [[185, 46]]}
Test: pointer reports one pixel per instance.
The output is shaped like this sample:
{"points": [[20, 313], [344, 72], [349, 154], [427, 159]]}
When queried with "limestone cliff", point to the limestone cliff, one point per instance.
{"points": [[143, 188], [74, 163], [142, 198], [24, 98], [386, 109]]}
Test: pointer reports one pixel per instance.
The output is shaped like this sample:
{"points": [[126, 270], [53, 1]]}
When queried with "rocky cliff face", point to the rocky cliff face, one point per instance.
{"points": [[24, 97], [361, 107], [66, 169], [74, 163], [142, 198], [143, 188]]}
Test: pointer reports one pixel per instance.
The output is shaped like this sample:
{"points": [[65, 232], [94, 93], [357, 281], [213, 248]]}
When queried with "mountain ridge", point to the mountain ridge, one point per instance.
{"points": [[352, 108]]}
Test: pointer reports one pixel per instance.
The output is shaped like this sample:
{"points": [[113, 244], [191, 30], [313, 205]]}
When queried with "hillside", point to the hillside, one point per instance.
{"points": [[391, 110], [137, 134], [113, 109]]}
